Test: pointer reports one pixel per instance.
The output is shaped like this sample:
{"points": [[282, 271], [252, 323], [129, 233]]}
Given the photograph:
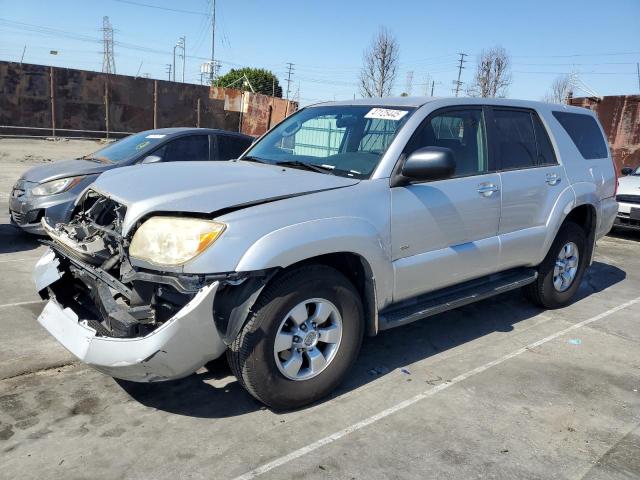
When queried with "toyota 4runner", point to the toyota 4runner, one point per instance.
{"points": [[346, 219]]}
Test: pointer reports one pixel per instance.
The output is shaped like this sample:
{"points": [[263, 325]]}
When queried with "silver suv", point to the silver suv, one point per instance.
{"points": [[346, 219]]}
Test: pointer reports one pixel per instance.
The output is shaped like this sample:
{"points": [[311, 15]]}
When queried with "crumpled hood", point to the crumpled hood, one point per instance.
{"points": [[629, 185], [63, 169], [206, 187]]}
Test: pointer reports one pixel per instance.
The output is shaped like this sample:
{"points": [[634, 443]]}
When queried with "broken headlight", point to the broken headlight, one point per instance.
{"points": [[173, 241]]}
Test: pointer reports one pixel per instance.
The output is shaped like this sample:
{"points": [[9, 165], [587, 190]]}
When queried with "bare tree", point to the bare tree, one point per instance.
{"points": [[379, 65], [560, 90], [493, 76]]}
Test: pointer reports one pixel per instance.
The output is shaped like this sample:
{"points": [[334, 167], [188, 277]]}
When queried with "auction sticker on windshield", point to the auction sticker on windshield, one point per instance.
{"points": [[386, 114]]}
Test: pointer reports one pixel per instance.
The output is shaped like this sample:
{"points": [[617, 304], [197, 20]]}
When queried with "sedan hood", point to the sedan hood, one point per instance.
{"points": [[629, 185], [207, 187], [63, 169]]}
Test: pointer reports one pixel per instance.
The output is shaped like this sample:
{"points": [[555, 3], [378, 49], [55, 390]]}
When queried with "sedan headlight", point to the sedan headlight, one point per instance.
{"points": [[55, 186], [173, 240]]}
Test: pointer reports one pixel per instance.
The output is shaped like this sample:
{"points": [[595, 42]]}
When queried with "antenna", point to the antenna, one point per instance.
{"points": [[108, 56]]}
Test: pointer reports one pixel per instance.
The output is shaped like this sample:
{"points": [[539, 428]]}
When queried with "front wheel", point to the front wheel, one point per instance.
{"points": [[560, 273], [303, 335]]}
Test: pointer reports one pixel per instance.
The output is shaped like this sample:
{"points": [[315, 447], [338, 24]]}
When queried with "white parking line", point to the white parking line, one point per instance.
{"points": [[17, 304], [34, 259], [421, 396]]}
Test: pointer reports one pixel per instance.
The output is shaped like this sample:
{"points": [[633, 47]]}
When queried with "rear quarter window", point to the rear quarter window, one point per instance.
{"points": [[585, 133]]}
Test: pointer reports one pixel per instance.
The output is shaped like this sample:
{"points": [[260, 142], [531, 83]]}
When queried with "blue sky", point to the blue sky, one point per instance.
{"points": [[325, 40]]}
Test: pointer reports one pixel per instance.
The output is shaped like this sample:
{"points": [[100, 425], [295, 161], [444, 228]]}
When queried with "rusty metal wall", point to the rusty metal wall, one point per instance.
{"points": [[259, 112], [620, 118], [84, 100]]}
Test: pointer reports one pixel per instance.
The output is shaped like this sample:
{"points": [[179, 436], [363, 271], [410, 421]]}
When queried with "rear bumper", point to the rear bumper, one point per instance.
{"points": [[175, 349], [606, 217], [623, 218]]}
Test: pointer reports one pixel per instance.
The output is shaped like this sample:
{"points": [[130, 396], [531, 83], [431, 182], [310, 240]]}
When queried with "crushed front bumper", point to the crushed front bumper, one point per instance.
{"points": [[175, 349]]}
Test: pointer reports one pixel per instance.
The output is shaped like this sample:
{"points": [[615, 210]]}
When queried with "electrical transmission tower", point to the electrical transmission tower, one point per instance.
{"points": [[108, 58], [458, 83], [408, 88], [289, 72]]}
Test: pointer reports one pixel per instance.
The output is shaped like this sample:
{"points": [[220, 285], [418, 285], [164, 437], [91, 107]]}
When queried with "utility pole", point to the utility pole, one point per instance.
{"points": [[213, 42], [174, 61], [23, 51], [458, 83], [168, 70], [289, 72], [108, 56], [433, 85], [637, 68], [183, 41]]}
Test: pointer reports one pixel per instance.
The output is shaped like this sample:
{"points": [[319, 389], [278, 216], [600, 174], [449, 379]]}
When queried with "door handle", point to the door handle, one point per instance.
{"points": [[553, 178], [487, 189]]}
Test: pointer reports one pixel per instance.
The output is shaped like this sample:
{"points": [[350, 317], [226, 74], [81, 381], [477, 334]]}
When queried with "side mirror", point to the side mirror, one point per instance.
{"points": [[626, 171], [429, 163], [151, 159]]}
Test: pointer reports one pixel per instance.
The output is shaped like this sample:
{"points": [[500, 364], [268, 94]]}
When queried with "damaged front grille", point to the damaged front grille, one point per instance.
{"points": [[99, 281]]}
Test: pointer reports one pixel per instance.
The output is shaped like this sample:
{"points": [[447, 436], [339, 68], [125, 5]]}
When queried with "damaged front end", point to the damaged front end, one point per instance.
{"points": [[131, 323]]}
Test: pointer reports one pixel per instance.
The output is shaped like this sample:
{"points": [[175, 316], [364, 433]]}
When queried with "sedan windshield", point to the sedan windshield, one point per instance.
{"points": [[126, 148], [342, 140]]}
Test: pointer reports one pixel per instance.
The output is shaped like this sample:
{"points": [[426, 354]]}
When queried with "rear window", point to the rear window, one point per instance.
{"points": [[585, 133]]}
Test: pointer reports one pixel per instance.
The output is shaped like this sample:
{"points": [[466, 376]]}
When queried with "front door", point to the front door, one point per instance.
{"points": [[445, 232]]}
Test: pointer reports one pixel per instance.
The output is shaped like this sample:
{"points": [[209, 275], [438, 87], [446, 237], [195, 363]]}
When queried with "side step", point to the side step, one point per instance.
{"points": [[457, 296]]}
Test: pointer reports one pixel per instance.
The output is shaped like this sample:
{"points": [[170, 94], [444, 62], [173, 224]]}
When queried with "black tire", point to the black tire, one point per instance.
{"points": [[251, 355], [542, 292]]}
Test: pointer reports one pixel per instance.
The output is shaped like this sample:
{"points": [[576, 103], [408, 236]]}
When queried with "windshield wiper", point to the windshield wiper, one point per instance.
{"points": [[250, 158], [314, 167]]}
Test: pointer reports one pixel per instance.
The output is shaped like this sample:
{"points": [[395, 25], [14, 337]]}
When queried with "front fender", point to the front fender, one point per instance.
{"points": [[295, 243]]}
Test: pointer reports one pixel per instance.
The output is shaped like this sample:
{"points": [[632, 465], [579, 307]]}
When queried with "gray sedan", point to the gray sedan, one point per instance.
{"points": [[50, 190]]}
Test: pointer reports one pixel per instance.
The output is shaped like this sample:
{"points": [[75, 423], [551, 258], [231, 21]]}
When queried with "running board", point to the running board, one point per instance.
{"points": [[457, 296]]}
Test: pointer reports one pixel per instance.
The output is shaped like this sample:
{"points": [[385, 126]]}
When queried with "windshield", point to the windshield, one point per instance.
{"points": [[126, 148], [343, 140], [636, 172]]}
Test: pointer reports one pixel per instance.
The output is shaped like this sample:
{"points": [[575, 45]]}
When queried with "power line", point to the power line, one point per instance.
{"points": [[177, 10], [458, 83]]}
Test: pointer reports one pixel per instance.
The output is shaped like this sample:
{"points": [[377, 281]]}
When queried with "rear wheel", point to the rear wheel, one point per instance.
{"points": [[561, 272], [301, 339]]}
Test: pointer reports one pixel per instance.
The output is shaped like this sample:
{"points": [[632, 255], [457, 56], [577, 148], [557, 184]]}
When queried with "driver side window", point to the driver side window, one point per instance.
{"points": [[463, 132]]}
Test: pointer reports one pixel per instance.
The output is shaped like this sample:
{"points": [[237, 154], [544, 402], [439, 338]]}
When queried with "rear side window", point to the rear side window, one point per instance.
{"points": [[585, 133], [230, 147], [515, 139]]}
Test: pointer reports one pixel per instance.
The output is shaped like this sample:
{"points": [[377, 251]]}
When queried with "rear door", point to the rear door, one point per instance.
{"points": [[531, 178], [445, 232]]}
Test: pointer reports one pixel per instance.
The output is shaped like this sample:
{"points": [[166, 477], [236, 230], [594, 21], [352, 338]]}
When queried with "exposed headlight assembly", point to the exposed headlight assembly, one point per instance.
{"points": [[55, 186], [172, 241]]}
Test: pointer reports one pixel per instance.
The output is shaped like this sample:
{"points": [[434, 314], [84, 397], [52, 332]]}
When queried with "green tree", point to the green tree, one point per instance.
{"points": [[263, 81]]}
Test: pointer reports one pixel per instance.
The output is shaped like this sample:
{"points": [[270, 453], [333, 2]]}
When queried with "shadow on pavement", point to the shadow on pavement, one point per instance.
{"points": [[380, 355], [13, 239], [625, 234]]}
